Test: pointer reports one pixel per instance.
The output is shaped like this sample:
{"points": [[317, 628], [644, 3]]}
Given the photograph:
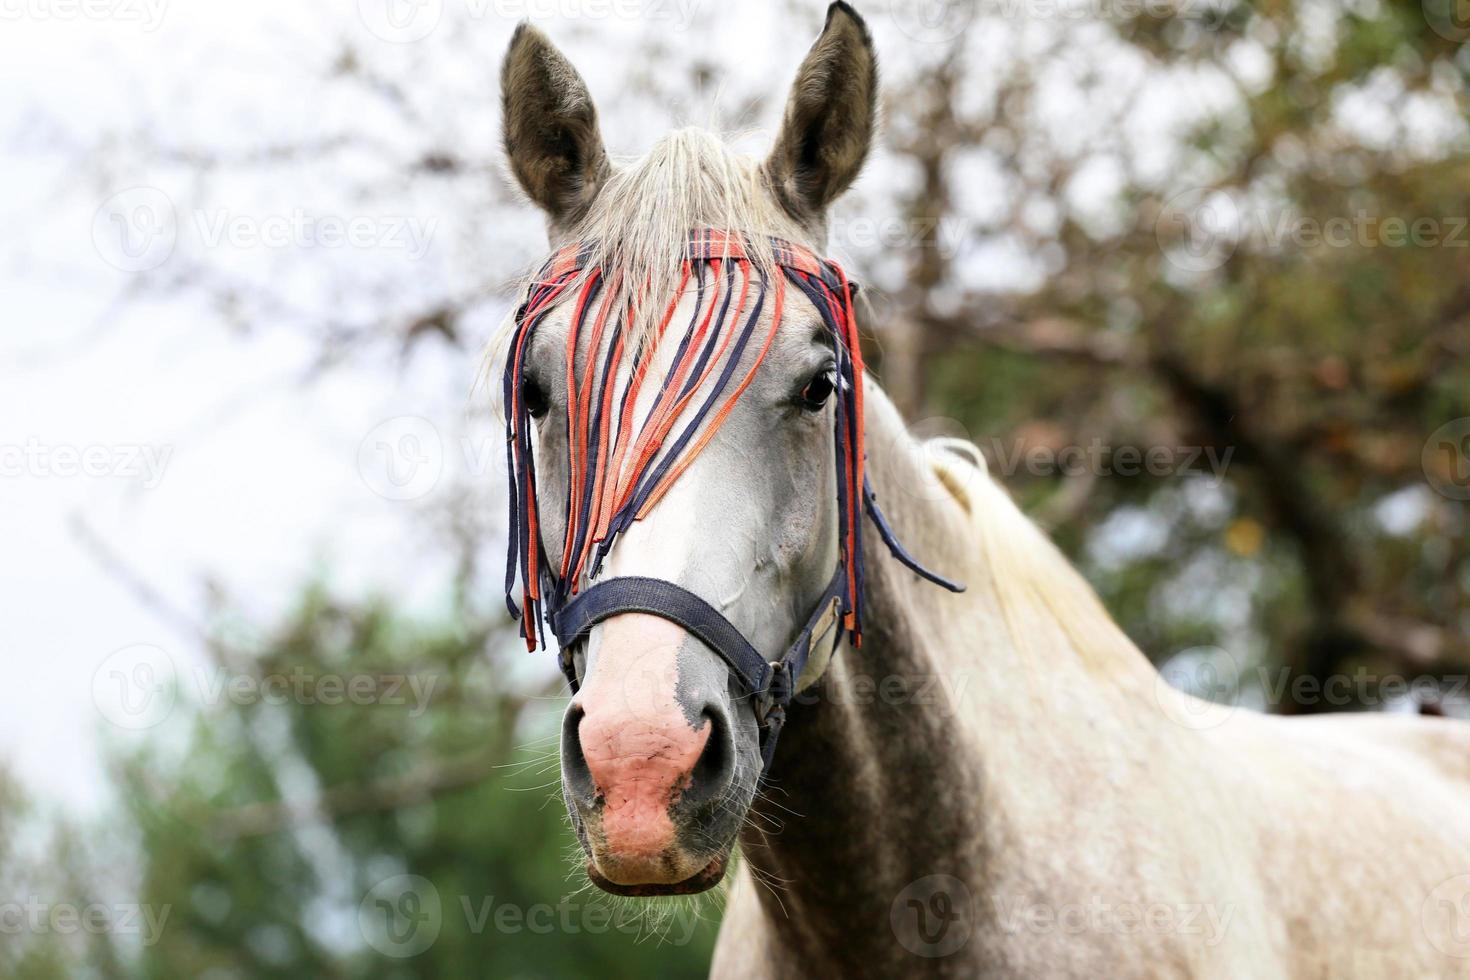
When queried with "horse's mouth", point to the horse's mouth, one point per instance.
{"points": [[710, 876]]}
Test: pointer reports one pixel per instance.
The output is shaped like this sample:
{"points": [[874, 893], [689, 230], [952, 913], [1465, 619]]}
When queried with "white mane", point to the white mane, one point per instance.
{"points": [[1033, 580]]}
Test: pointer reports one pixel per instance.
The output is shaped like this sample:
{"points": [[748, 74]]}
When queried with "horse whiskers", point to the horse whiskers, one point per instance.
{"points": [[763, 796], [770, 883], [654, 916], [555, 783], [543, 762]]}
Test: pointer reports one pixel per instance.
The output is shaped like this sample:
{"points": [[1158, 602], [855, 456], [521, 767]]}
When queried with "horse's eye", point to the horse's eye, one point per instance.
{"points": [[817, 391], [534, 398]]}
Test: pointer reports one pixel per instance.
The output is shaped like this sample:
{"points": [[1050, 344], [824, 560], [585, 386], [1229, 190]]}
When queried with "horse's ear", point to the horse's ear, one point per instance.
{"points": [[550, 128], [830, 117]]}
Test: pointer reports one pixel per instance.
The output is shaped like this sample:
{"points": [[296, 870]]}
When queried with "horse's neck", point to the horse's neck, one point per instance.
{"points": [[913, 755]]}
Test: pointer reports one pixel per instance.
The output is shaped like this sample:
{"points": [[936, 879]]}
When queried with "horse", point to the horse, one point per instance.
{"points": [[987, 782]]}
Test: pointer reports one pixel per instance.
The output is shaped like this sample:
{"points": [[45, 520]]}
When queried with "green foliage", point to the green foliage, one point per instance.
{"points": [[278, 833]]}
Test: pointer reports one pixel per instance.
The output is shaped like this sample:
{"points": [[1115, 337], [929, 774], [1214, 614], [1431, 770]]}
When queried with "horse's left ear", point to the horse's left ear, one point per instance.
{"points": [[830, 117]]}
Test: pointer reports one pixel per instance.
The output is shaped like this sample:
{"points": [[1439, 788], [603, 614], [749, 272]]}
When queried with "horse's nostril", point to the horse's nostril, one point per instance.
{"points": [[575, 772], [716, 766]]}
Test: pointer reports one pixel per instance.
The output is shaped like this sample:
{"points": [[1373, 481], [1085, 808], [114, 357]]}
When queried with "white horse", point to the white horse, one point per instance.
{"points": [[994, 783]]}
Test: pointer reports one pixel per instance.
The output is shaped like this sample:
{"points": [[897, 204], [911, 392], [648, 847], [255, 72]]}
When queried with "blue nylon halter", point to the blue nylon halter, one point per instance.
{"points": [[571, 609]]}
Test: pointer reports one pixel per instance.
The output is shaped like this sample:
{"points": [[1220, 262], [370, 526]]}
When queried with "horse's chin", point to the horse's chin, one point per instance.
{"points": [[705, 879]]}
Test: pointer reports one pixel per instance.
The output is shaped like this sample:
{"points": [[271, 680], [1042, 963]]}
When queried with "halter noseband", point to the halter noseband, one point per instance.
{"points": [[615, 475]]}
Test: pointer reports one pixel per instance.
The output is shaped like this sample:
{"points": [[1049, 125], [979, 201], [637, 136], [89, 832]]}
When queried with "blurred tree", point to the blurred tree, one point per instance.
{"points": [[368, 798], [1287, 291]]}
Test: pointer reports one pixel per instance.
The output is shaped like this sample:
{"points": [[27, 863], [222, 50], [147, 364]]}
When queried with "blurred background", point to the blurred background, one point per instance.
{"points": [[1194, 274]]}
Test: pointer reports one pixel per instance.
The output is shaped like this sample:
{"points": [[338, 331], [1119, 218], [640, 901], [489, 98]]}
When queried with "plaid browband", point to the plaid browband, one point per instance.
{"points": [[616, 475]]}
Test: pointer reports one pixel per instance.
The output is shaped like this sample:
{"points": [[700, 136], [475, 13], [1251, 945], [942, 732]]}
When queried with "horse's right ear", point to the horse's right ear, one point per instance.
{"points": [[550, 129]]}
